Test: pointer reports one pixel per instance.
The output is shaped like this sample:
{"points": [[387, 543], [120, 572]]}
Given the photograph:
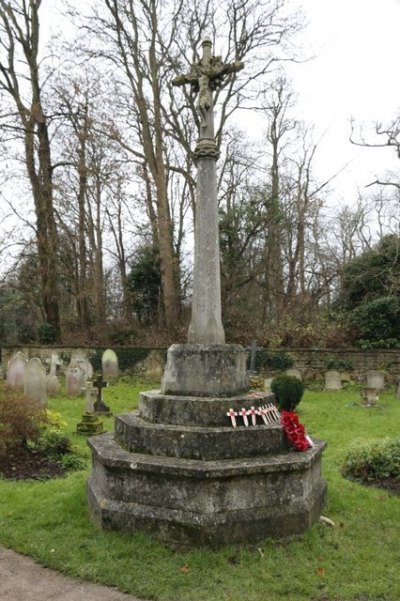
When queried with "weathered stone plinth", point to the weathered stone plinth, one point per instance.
{"points": [[188, 502], [205, 370], [178, 469]]}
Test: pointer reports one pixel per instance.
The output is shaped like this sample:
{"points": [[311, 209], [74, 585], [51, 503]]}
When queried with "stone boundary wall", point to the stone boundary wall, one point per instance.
{"points": [[312, 363]]}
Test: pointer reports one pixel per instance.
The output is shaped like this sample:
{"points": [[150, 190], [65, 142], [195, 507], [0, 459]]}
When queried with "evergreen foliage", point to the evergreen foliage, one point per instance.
{"points": [[144, 283], [288, 391], [370, 294], [373, 459]]}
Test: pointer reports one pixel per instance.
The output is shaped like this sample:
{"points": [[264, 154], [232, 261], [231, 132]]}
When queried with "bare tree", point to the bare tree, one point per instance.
{"points": [[20, 83]]}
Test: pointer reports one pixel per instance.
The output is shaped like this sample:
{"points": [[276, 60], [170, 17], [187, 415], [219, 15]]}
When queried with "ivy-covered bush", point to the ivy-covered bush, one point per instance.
{"points": [[338, 363], [373, 460], [46, 333], [288, 391], [273, 361]]}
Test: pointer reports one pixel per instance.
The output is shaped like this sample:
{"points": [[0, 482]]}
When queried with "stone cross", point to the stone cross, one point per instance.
{"points": [[100, 406], [205, 77]]}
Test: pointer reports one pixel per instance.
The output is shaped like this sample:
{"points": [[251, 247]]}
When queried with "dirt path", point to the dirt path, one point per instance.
{"points": [[22, 579]]}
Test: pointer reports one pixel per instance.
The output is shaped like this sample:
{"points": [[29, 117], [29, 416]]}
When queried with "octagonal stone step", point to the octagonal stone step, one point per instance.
{"points": [[192, 442], [191, 502], [196, 411]]}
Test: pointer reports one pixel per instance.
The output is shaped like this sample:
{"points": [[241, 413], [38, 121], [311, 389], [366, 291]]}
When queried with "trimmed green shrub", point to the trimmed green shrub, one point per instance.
{"points": [[373, 460], [288, 391]]}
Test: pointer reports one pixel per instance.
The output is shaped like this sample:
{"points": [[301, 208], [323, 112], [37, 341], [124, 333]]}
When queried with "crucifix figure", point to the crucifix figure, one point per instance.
{"points": [[205, 77]]}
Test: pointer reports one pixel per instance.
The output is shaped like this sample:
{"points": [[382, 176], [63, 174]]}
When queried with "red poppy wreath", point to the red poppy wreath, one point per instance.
{"points": [[295, 431]]}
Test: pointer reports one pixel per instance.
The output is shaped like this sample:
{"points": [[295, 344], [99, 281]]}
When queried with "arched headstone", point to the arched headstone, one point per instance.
{"points": [[16, 370], [109, 364], [35, 381]]}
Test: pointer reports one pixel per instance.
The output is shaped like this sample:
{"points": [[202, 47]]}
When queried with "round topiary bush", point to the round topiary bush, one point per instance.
{"points": [[288, 391]]}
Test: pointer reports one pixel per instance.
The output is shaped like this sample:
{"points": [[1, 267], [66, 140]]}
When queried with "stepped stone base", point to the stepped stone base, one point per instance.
{"points": [[90, 425], [189, 502], [179, 469]]}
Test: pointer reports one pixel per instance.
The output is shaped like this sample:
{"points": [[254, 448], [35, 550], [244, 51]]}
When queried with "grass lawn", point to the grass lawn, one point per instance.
{"points": [[358, 559]]}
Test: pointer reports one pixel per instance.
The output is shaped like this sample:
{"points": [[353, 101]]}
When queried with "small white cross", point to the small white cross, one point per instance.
{"points": [[244, 413], [232, 414], [253, 412]]}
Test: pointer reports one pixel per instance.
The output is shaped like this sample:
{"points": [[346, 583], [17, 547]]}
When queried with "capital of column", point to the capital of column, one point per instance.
{"points": [[206, 148]]}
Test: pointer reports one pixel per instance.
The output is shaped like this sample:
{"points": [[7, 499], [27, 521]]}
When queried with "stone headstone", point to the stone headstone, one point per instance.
{"points": [[16, 370], [109, 364], [296, 373], [54, 362], [52, 385], [35, 381], [90, 396], [73, 380], [333, 380], [369, 396], [79, 371], [375, 379]]}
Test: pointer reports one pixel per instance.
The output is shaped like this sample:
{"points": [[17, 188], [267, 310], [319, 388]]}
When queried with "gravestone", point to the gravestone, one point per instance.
{"points": [[375, 379], [73, 380], [109, 364], [90, 396], [52, 382], [16, 370], [90, 423], [369, 396], [35, 381], [99, 405], [176, 467], [333, 380], [79, 371], [295, 373], [84, 366]]}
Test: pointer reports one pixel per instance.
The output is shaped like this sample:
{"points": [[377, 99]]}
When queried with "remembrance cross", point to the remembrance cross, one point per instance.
{"points": [[205, 77]]}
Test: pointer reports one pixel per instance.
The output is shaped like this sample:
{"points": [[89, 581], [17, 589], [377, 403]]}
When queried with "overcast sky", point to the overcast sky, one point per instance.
{"points": [[354, 74]]}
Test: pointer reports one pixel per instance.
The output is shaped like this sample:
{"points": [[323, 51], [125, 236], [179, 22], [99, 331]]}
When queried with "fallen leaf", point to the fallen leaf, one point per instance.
{"points": [[184, 569], [321, 571]]}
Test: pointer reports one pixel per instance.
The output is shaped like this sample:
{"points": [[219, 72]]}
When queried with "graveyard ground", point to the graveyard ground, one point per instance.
{"points": [[355, 560]]}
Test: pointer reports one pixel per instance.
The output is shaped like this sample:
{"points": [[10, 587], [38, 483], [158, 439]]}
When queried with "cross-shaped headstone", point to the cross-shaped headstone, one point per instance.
{"points": [[205, 77], [100, 406]]}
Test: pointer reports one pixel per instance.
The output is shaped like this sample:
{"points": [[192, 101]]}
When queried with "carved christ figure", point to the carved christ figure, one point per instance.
{"points": [[204, 77]]}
